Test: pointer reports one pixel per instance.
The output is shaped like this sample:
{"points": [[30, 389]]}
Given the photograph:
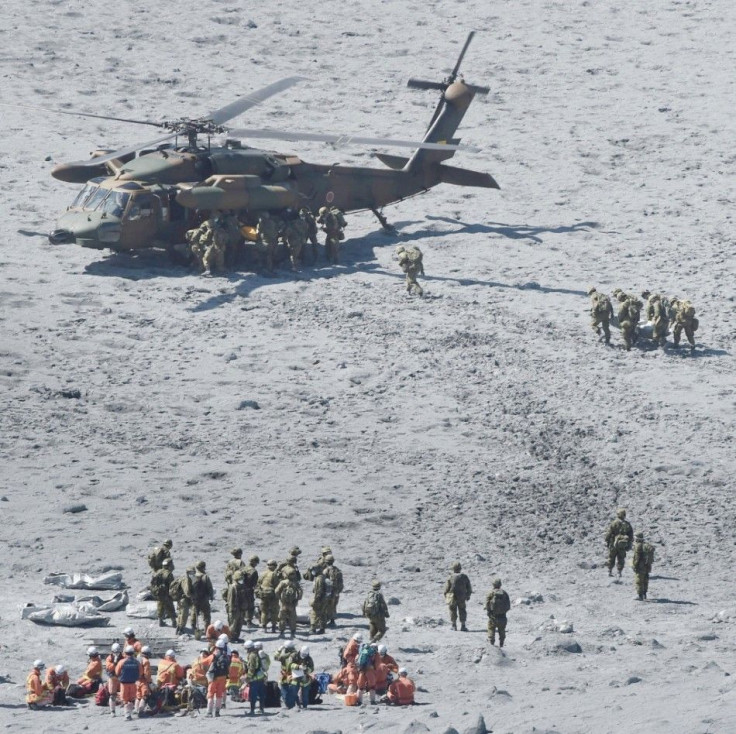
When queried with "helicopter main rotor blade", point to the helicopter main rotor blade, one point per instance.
{"points": [[342, 139], [453, 76], [81, 114], [124, 151], [228, 112]]}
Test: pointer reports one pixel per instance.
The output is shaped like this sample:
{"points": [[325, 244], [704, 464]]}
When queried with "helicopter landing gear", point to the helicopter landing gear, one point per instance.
{"points": [[387, 227]]}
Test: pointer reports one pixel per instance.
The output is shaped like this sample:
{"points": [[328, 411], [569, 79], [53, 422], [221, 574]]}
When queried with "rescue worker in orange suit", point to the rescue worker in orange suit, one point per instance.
{"points": [[217, 628], [170, 673], [401, 691], [113, 682], [217, 674], [387, 659], [237, 669], [143, 688], [129, 672], [346, 681], [37, 695], [130, 639], [198, 670], [367, 679], [92, 676], [57, 681], [350, 653]]}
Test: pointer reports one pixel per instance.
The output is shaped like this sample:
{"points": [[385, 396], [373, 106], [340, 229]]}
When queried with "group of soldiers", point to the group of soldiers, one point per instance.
{"points": [[278, 589], [221, 239], [620, 538], [661, 312]]}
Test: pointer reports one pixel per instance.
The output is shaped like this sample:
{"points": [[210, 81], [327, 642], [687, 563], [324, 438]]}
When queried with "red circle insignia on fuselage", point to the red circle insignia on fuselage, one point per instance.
{"points": [[330, 197]]}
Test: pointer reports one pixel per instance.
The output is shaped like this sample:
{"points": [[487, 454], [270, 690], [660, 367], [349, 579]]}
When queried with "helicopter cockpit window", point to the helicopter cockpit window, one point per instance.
{"points": [[84, 194], [115, 203], [141, 206], [94, 200]]}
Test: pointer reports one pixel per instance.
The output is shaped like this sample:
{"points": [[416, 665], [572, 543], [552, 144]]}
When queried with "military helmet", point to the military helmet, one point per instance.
{"points": [[254, 560], [496, 583], [616, 291], [646, 294], [621, 296], [591, 290], [201, 565], [295, 551], [272, 564], [323, 210], [621, 512], [168, 543], [326, 550], [376, 584], [456, 566], [639, 536], [329, 559], [237, 552]]}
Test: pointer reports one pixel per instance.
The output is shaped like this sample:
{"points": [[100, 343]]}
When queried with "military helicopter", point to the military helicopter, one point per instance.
{"points": [[150, 194]]}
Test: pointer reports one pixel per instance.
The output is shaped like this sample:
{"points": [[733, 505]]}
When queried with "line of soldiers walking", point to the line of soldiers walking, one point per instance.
{"points": [[620, 538], [223, 240], [661, 312], [278, 590]]}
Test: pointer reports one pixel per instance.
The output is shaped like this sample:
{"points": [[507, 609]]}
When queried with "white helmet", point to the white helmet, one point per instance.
{"points": [[204, 650], [249, 645], [304, 650], [224, 638], [170, 654], [60, 669], [289, 645], [219, 625], [358, 637], [128, 631], [129, 650], [146, 650], [92, 651], [403, 671], [258, 645], [38, 663], [221, 644], [115, 647], [382, 649]]}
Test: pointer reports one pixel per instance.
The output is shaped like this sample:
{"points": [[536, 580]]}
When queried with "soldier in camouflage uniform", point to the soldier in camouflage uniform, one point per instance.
{"points": [[628, 318], [642, 564], [684, 320], [291, 561], [619, 538], [311, 223], [295, 237], [250, 580], [321, 562], [235, 602], [376, 610], [333, 223], [268, 238], [333, 578], [185, 601], [457, 592], [202, 595], [658, 315], [198, 240], [601, 312], [288, 592], [411, 262], [497, 604], [158, 555], [236, 563], [213, 259], [159, 586], [266, 592], [320, 603]]}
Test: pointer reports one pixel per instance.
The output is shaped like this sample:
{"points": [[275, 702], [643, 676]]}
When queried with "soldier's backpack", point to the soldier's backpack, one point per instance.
{"points": [[365, 656], [500, 604], [648, 553], [414, 254], [176, 589], [199, 588], [622, 542], [460, 587], [289, 594], [157, 586], [153, 560], [372, 605], [329, 588]]}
